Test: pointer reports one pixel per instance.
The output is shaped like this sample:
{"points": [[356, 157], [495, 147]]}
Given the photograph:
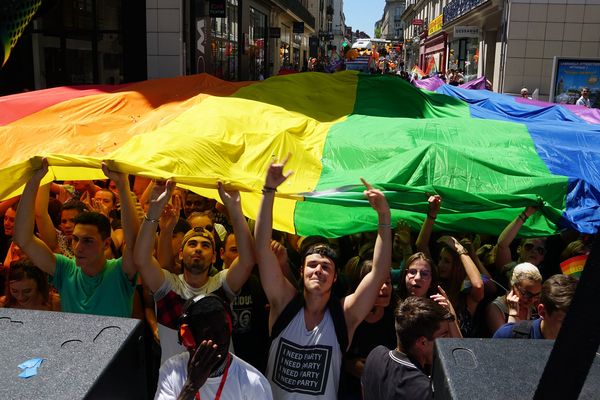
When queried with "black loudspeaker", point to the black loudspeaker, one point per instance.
{"points": [[496, 369], [85, 356]]}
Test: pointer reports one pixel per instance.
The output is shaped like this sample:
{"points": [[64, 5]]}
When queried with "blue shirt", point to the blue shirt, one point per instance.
{"points": [[505, 331]]}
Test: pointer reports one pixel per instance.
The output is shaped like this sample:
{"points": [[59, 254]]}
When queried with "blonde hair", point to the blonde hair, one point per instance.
{"points": [[525, 271]]}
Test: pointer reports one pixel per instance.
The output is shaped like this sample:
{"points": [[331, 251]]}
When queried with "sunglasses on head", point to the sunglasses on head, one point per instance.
{"points": [[530, 246]]}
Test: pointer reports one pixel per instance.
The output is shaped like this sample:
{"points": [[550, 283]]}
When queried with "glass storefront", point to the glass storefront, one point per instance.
{"points": [[79, 42], [257, 40], [464, 56], [224, 43]]}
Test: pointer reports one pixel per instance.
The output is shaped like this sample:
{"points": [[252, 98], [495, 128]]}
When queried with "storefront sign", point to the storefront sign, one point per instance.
{"points": [[274, 33], [217, 8], [418, 22], [466, 32], [436, 24], [298, 27]]}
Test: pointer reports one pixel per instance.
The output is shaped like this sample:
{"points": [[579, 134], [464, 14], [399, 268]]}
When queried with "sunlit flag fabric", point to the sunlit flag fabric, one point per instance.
{"points": [[486, 155]]}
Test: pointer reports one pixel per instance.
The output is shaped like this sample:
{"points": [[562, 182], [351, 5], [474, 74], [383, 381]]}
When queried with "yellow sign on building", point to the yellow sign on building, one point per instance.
{"points": [[436, 24]]}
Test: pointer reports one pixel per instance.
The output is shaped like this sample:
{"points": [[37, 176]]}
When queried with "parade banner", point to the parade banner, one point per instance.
{"points": [[486, 157]]}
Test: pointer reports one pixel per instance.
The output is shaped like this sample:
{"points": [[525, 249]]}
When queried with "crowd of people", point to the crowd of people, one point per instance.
{"points": [[234, 309]]}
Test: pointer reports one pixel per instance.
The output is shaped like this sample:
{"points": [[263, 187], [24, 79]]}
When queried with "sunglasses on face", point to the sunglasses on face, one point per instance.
{"points": [[527, 294], [530, 246]]}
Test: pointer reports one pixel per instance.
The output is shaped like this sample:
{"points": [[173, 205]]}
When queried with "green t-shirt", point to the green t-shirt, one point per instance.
{"points": [[108, 293]]}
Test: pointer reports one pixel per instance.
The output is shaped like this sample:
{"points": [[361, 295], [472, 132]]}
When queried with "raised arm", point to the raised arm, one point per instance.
{"points": [[422, 243], [46, 229], [278, 289], [358, 304], [152, 274], [37, 251], [241, 268], [503, 254], [129, 219], [168, 221], [476, 292]]}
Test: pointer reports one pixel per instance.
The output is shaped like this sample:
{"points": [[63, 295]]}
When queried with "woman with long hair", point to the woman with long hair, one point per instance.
{"points": [[28, 289]]}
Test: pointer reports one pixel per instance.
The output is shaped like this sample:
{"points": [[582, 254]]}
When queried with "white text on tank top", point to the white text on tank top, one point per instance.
{"points": [[305, 364]]}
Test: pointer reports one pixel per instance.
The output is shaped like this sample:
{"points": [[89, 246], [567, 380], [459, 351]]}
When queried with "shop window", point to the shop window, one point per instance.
{"points": [[224, 43], [464, 56], [79, 42], [257, 40]]}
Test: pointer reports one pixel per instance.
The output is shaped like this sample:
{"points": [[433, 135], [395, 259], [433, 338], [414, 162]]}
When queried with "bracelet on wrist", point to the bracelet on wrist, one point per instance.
{"points": [[389, 226], [431, 216], [523, 217], [268, 189], [152, 220], [462, 251]]}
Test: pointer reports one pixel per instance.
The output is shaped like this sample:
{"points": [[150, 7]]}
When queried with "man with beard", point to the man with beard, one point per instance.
{"points": [[197, 254]]}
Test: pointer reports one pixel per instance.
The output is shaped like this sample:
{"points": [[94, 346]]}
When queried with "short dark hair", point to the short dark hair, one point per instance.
{"points": [[323, 249], [557, 293], [98, 220], [74, 204], [203, 307], [416, 317]]}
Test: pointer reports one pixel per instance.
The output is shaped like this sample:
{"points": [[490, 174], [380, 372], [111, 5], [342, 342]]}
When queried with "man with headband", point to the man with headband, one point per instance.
{"points": [[197, 254]]}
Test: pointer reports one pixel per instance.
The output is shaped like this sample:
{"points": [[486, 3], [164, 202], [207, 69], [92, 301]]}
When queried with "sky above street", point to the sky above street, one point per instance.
{"points": [[362, 14]]}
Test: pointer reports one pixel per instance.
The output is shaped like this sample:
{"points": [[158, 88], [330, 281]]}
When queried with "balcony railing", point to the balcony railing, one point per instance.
{"points": [[297, 8], [458, 8]]}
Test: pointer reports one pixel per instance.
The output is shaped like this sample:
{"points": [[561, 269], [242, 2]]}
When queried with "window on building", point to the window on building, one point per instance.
{"points": [[79, 42], [224, 43], [257, 40]]}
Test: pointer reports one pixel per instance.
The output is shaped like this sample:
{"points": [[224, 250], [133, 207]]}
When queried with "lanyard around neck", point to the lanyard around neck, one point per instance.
{"points": [[223, 379]]}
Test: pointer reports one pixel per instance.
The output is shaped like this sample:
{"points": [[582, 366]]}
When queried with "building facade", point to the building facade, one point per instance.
{"points": [[118, 41], [392, 26], [510, 42]]}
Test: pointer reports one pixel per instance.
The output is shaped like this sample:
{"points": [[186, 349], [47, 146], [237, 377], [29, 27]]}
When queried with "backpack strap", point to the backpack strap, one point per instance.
{"points": [[339, 322], [287, 315], [522, 329], [335, 309]]}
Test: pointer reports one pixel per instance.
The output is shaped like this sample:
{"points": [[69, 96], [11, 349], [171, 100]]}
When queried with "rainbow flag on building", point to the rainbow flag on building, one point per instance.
{"points": [[488, 158]]}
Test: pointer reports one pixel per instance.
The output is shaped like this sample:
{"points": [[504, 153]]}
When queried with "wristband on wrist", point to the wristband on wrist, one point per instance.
{"points": [[267, 189], [152, 220], [385, 226], [523, 217], [462, 251], [431, 216]]}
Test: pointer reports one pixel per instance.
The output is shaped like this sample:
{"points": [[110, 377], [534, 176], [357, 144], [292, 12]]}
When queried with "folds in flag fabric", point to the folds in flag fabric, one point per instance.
{"points": [[485, 154]]}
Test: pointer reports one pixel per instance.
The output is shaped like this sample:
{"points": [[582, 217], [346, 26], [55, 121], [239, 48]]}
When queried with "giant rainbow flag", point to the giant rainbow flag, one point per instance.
{"points": [[485, 154]]}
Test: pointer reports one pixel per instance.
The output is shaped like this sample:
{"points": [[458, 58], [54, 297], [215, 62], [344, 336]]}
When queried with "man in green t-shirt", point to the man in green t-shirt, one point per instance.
{"points": [[90, 283]]}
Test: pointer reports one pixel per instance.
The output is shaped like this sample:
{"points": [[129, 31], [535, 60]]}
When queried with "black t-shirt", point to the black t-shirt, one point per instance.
{"points": [[366, 337], [250, 324], [389, 374]]}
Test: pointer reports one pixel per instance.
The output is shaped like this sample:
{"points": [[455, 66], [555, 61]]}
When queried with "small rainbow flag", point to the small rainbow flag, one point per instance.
{"points": [[574, 266]]}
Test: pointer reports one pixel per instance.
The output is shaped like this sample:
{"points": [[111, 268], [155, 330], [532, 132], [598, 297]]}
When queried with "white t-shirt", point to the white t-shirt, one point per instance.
{"points": [[243, 382], [305, 364], [169, 339]]}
